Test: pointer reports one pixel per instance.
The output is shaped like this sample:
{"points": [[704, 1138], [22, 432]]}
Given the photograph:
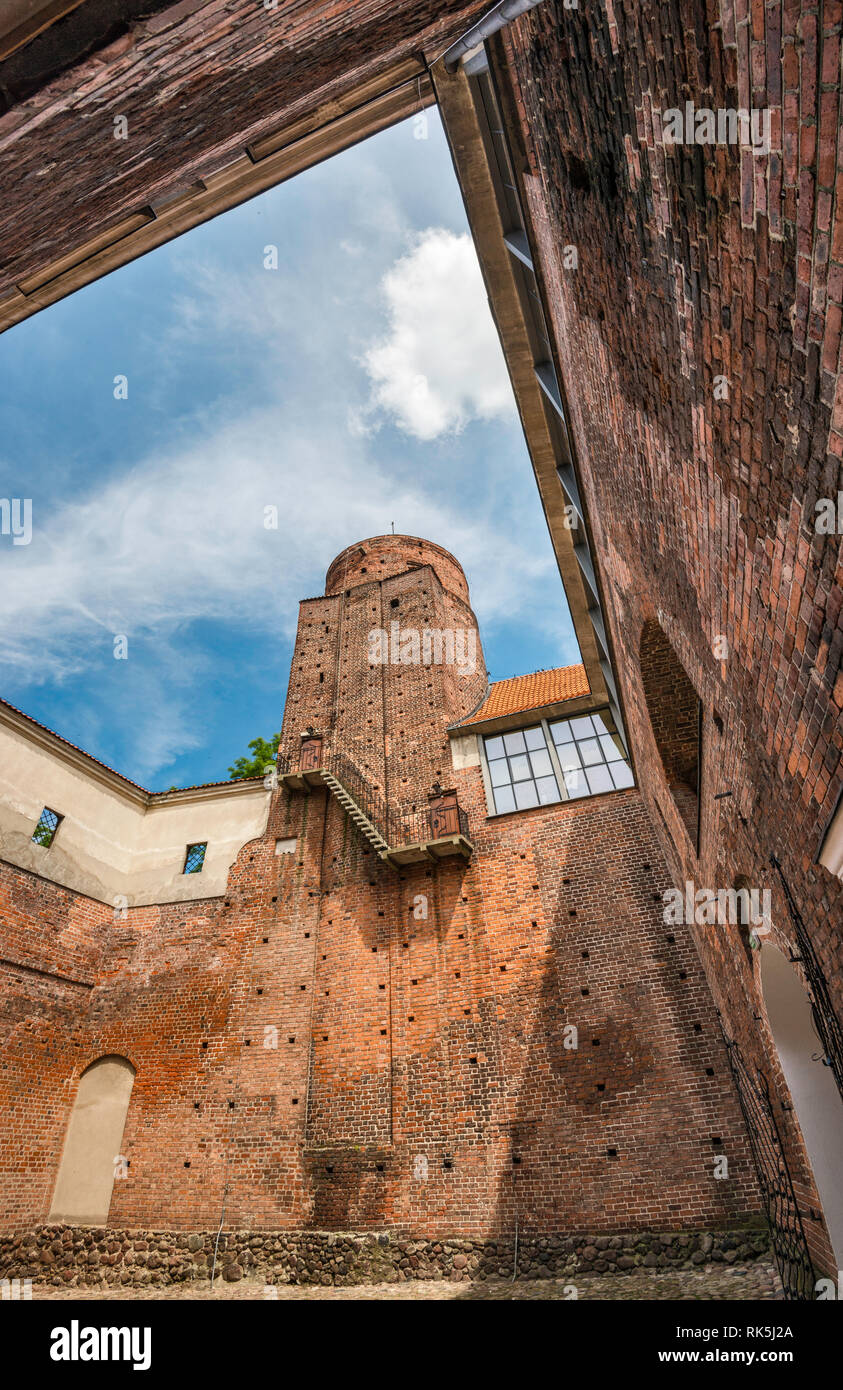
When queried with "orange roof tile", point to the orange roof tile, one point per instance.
{"points": [[535, 691]]}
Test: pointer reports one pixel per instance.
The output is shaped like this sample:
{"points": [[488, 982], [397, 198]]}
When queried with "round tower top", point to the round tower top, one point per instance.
{"points": [[381, 557]]}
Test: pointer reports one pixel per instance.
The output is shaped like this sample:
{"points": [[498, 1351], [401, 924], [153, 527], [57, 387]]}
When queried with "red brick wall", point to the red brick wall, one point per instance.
{"points": [[50, 960], [195, 83], [696, 264], [420, 1012]]}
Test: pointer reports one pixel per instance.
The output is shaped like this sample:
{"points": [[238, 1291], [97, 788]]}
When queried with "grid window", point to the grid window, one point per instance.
{"points": [[591, 757], [195, 858], [520, 770], [48, 823]]}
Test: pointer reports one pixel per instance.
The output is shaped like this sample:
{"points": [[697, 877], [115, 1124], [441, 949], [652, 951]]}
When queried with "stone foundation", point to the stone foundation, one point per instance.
{"points": [[68, 1255]]}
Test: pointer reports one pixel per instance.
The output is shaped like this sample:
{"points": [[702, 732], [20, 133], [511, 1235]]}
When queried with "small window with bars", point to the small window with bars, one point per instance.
{"points": [[195, 858], [591, 757], [45, 831]]}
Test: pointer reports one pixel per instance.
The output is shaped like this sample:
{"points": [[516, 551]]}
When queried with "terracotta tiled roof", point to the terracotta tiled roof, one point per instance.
{"points": [[532, 692]]}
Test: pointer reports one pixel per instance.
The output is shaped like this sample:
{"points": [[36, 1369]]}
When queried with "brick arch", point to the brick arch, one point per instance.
{"points": [[86, 1174], [673, 706]]}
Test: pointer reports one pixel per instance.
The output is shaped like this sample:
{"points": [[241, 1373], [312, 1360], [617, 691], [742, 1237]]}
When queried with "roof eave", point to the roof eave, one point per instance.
{"points": [[514, 719]]}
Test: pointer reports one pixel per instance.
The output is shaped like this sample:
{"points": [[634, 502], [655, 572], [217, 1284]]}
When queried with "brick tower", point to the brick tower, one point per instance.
{"points": [[367, 677], [496, 1025]]}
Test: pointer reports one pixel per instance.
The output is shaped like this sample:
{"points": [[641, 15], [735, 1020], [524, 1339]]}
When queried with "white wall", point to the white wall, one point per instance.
{"points": [[831, 855], [819, 1108], [116, 840]]}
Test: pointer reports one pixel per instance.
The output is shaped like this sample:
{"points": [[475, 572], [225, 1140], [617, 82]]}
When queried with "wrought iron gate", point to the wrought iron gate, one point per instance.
{"points": [[825, 1019], [787, 1233]]}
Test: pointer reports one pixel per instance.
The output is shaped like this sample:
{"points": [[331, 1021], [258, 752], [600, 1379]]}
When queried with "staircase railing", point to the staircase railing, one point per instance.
{"points": [[787, 1234], [397, 828], [825, 1018]]}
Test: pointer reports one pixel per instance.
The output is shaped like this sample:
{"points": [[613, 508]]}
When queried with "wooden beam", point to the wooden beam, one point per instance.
{"points": [[393, 96], [496, 261], [23, 20]]}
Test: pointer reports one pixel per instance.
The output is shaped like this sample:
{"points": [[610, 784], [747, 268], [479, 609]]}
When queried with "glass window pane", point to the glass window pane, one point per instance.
{"points": [[590, 751], [600, 779], [569, 757], [575, 783], [622, 775], [542, 766], [561, 731], [514, 743], [611, 751], [534, 738], [600, 725], [504, 800], [519, 767], [582, 728], [548, 790], [494, 748], [499, 772], [526, 795]]}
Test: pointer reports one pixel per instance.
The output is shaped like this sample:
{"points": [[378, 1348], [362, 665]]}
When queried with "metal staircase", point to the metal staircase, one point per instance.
{"points": [[396, 839], [360, 819]]}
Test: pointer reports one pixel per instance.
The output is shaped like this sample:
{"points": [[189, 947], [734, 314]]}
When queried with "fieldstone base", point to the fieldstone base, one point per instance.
{"points": [[83, 1256]]}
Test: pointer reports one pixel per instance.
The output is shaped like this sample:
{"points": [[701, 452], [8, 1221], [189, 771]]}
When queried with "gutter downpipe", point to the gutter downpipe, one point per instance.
{"points": [[497, 18]]}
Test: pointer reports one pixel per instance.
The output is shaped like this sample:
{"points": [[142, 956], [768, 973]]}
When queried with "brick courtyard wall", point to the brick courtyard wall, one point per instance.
{"points": [[340, 1044], [699, 340], [191, 111]]}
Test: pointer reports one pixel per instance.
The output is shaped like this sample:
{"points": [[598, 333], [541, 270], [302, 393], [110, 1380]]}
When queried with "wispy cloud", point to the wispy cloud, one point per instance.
{"points": [[188, 535]]}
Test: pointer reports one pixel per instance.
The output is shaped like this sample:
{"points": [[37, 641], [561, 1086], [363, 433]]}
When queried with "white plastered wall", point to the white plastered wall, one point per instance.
{"points": [[816, 1098], [831, 855], [116, 841]]}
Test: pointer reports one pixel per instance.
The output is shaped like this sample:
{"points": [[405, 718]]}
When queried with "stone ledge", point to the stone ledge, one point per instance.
{"points": [[86, 1257]]}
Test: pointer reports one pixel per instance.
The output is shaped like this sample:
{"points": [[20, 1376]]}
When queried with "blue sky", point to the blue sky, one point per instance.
{"points": [[358, 384]]}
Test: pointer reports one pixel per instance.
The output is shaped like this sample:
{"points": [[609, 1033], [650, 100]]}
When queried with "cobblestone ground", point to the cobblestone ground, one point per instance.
{"points": [[712, 1282]]}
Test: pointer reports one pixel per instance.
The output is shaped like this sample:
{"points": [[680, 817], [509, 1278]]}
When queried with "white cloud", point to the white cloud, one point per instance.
{"points": [[441, 364]]}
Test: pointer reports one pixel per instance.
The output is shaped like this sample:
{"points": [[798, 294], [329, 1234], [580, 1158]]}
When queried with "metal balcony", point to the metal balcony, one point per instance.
{"points": [[424, 836]]}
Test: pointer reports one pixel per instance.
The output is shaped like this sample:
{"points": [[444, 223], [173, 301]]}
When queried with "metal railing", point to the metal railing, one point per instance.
{"points": [[787, 1234], [397, 828], [826, 1021]]}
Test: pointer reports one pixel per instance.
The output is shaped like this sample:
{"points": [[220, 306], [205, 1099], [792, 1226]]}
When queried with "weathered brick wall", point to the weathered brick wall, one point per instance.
{"points": [[672, 705], [382, 557], [340, 1044], [50, 961], [389, 717], [195, 83], [696, 266], [572, 907], [699, 264]]}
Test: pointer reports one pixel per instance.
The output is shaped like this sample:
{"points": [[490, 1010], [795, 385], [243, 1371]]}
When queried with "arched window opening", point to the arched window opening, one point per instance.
{"points": [[676, 718], [91, 1158], [815, 1095]]}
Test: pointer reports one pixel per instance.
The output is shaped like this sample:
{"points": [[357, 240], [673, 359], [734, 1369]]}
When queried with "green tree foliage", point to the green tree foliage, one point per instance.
{"points": [[263, 756]]}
